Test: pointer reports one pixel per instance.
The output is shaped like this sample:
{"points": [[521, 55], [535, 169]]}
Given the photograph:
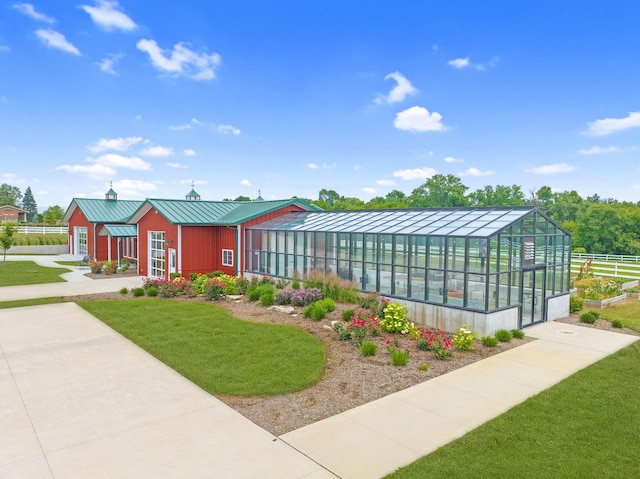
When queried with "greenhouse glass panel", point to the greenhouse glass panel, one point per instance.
{"points": [[435, 283], [281, 241], [455, 288], [493, 291], [299, 242], [455, 254], [385, 279], [436, 252], [401, 250], [516, 252], [540, 250], [477, 255], [370, 277], [418, 251], [371, 250], [291, 239], [514, 291], [357, 252], [280, 271], [385, 251], [321, 244], [344, 245], [503, 290], [272, 245], [476, 288], [400, 281], [417, 283], [310, 243]]}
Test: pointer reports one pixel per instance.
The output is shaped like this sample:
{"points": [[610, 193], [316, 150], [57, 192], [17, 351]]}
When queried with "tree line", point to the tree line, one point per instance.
{"points": [[597, 225], [12, 196]]}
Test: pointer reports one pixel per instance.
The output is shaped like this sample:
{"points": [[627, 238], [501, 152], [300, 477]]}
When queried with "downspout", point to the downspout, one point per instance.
{"points": [[179, 248], [119, 261], [238, 248], [95, 251]]}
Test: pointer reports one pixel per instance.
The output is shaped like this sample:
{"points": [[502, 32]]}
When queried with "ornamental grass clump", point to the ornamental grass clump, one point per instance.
{"points": [[589, 317], [138, 291], [503, 335], [489, 341], [463, 338], [616, 323], [399, 357], [368, 348], [517, 333], [316, 311]]}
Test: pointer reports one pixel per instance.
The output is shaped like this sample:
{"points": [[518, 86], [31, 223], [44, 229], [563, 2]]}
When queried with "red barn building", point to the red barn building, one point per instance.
{"points": [[192, 236], [12, 214], [90, 222]]}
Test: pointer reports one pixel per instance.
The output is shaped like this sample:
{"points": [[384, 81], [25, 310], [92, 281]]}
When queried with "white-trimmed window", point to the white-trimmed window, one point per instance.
{"points": [[157, 258], [81, 238], [227, 257]]}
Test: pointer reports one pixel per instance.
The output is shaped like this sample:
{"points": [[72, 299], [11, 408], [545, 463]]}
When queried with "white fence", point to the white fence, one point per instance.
{"points": [[606, 257], [43, 230], [614, 267]]}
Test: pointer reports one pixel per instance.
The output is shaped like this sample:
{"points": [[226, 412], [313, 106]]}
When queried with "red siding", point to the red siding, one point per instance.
{"points": [[153, 221], [78, 219], [202, 248]]}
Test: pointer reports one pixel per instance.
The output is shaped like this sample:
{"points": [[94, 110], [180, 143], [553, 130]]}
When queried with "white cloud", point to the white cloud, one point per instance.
{"points": [[107, 17], [195, 121], [423, 173], [119, 161], [357, 167], [226, 129], [134, 188], [157, 151], [30, 11], [245, 182], [607, 126], [599, 150], [4, 48], [313, 166], [418, 119], [95, 170], [193, 182], [399, 92], [459, 63], [176, 165], [57, 40], [329, 166], [386, 182], [552, 169], [476, 172], [189, 152], [369, 190], [186, 126], [181, 61], [106, 64], [138, 117], [115, 144], [451, 159]]}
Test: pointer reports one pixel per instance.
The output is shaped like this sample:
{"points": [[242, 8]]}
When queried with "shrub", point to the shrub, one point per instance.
{"points": [[304, 297], [347, 314], [435, 341], [616, 323], [489, 341], [125, 267], [266, 299], [124, 291], [374, 302], [424, 367], [576, 304], [589, 317], [395, 319], [110, 267], [399, 357], [503, 335], [95, 266], [329, 304], [344, 333], [368, 348], [316, 311], [463, 338], [175, 275], [138, 291], [152, 291], [255, 293], [214, 289], [517, 333]]}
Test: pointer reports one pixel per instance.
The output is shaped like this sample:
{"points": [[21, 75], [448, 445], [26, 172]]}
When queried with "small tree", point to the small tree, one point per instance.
{"points": [[30, 206], [53, 215], [7, 237]]}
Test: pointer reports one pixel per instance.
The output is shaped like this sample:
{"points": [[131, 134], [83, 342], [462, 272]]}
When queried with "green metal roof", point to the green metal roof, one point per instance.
{"points": [[104, 211], [478, 222], [228, 213], [119, 231]]}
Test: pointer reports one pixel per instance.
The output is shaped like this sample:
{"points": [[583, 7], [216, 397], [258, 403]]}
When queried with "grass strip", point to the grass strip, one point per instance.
{"points": [[17, 273], [216, 351], [19, 303], [586, 426]]}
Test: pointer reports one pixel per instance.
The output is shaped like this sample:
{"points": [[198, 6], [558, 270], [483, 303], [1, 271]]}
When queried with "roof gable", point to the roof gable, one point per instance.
{"points": [[103, 211]]}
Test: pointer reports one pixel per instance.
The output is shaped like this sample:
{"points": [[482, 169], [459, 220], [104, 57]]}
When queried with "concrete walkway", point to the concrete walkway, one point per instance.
{"points": [[80, 401]]}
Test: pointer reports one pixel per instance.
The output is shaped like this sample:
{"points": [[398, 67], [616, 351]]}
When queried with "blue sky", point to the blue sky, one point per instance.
{"points": [[289, 97]]}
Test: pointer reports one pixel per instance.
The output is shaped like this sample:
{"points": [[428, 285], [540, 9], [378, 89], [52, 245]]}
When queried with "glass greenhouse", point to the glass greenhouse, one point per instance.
{"points": [[490, 267]]}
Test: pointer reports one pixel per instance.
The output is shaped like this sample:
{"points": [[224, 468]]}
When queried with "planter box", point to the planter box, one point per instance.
{"points": [[605, 303], [629, 284]]}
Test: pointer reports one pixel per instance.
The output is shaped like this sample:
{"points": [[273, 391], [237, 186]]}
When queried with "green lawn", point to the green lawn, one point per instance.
{"points": [[19, 303], [628, 313], [14, 273], [216, 351], [587, 426]]}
